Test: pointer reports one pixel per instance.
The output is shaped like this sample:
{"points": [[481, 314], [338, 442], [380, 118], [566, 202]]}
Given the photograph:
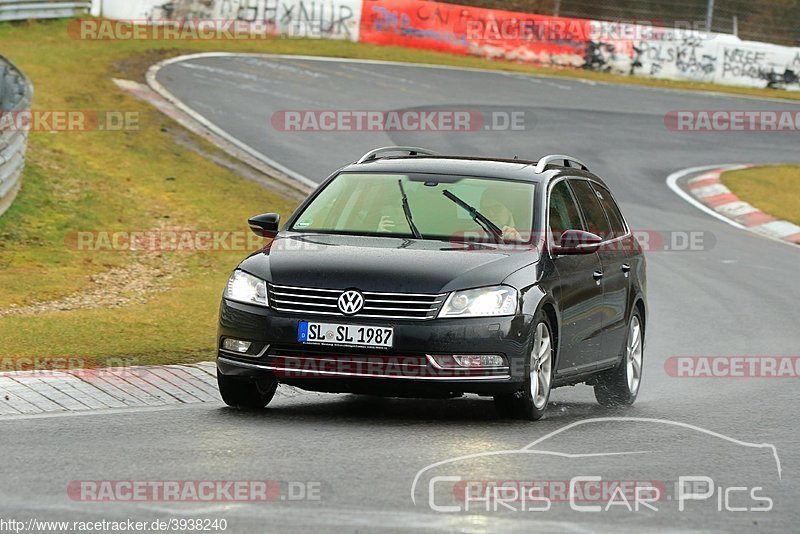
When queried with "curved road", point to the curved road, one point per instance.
{"points": [[738, 297]]}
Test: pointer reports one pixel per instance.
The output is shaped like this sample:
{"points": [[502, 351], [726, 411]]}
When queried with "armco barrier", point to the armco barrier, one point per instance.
{"points": [[41, 9], [16, 93]]}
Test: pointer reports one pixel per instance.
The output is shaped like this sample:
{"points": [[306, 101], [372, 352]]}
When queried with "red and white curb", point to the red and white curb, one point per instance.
{"points": [[42, 392], [706, 191]]}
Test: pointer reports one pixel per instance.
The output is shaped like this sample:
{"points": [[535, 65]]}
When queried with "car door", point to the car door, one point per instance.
{"points": [[578, 292], [604, 219]]}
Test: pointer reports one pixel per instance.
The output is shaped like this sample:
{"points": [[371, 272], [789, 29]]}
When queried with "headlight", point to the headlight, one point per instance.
{"points": [[243, 287], [482, 302]]}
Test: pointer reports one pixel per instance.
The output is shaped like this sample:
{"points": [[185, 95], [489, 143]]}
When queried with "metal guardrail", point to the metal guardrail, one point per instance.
{"points": [[16, 93], [41, 9]]}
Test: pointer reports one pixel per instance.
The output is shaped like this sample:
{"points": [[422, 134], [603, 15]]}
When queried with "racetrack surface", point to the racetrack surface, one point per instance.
{"points": [[739, 297]]}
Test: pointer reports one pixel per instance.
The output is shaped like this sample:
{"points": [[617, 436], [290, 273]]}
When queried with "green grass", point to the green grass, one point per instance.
{"points": [[140, 180], [774, 189]]}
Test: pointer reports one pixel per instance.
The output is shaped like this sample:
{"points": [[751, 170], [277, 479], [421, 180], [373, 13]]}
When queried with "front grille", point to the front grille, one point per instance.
{"points": [[418, 306]]}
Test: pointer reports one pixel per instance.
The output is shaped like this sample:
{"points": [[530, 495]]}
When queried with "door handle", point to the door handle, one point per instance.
{"points": [[598, 275], [626, 267]]}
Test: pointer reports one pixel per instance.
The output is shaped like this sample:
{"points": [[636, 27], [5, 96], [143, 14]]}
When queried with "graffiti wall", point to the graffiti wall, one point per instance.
{"points": [[690, 55], [468, 30], [330, 19], [670, 53]]}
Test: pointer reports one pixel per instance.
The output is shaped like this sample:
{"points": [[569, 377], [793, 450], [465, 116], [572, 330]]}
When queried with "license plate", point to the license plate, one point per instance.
{"points": [[346, 335]]}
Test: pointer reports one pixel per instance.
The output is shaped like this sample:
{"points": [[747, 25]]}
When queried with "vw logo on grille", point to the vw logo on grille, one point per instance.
{"points": [[350, 302]]}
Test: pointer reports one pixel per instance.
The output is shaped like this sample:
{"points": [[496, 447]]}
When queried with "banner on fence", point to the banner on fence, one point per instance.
{"points": [[488, 33]]}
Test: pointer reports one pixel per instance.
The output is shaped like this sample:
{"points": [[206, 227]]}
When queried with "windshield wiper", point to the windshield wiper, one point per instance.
{"points": [[407, 212], [477, 216]]}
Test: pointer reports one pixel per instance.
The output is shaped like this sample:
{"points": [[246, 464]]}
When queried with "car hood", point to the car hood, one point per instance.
{"points": [[384, 264]]}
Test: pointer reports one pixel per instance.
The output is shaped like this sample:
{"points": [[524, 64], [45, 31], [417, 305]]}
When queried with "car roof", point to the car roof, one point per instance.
{"points": [[484, 167]]}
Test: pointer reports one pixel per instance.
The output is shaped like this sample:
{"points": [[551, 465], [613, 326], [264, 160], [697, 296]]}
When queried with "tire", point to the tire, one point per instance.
{"points": [[621, 385], [530, 402], [246, 393]]}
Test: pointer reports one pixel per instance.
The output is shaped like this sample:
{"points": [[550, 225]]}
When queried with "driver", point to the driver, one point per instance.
{"points": [[497, 211]]}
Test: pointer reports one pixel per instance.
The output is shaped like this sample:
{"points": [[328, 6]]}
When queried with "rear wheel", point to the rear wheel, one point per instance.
{"points": [[620, 386], [531, 401], [247, 393]]}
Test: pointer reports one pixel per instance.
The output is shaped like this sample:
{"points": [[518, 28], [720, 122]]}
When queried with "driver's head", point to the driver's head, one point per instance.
{"points": [[494, 207]]}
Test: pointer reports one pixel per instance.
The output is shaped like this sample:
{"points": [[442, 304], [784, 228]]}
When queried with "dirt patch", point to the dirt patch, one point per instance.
{"points": [[135, 67], [120, 286], [185, 139]]}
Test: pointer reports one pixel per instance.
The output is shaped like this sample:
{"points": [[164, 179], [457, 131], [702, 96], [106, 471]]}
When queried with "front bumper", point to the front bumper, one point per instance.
{"points": [[406, 369]]}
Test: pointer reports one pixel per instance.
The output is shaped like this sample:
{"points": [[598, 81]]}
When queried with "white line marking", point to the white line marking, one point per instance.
{"points": [[672, 183], [163, 91]]}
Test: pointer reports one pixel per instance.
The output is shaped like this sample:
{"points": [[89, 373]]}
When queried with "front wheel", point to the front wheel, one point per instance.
{"points": [[531, 401], [247, 393], [620, 386]]}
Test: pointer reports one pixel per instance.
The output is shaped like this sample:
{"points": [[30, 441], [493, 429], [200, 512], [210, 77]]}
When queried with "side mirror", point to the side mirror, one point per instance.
{"points": [[575, 242], [265, 225]]}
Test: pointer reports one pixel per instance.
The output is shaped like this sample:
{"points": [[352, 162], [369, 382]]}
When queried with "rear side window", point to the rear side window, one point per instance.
{"points": [[612, 210], [564, 214], [593, 213]]}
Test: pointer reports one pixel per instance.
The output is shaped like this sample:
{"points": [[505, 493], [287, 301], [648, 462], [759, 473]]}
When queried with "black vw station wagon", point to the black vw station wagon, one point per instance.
{"points": [[413, 274]]}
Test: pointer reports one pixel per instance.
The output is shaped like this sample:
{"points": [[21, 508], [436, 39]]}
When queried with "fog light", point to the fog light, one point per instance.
{"points": [[236, 345], [467, 361], [480, 360]]}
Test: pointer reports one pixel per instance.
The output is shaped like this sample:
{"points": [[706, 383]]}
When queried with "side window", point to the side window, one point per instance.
{"points": [[612, 210], [593, 213], [564, 214]]}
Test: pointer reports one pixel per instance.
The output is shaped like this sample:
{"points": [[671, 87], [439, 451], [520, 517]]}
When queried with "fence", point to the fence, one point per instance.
{"points": [[41, 9], [16, 93]]}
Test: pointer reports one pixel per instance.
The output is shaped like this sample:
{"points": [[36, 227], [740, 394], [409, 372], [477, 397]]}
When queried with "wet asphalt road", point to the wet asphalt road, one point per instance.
{"points": [[738, 297]]}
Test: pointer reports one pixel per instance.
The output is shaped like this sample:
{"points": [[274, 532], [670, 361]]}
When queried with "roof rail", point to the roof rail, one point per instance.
{"points": [[412, 151], [568, 162]]}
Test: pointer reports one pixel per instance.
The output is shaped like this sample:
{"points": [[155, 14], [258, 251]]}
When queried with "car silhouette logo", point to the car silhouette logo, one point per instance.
{"points": [[350, 302]]}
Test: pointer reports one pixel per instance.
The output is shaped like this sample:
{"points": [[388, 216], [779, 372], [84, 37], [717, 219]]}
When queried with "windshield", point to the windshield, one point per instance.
{"points": [[372, 204]]}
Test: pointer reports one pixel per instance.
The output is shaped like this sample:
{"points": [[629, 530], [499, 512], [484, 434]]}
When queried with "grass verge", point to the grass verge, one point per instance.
{"points": [[774, 189], [145, 307]]}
